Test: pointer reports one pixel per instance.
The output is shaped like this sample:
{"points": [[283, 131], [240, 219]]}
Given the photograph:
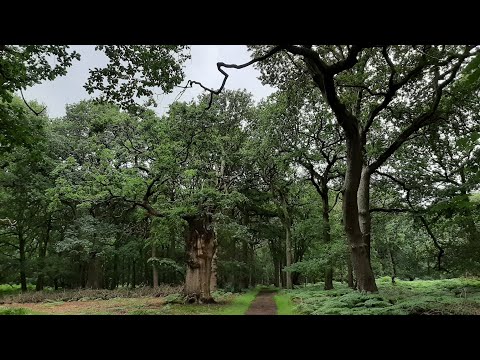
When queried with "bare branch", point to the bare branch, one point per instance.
{"points": [[393, 87], [26, 103], [221, 65], [364, 88], [441, 251], [336, 200]]}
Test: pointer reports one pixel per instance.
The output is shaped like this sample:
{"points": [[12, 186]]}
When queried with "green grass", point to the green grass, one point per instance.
{"points": [[228, 304], [448, 296], [14, 311], [240, 304], [285, 305]]}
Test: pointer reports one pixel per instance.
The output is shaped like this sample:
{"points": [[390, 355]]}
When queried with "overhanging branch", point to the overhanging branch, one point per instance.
{"points": [[26, 103], [221, 65]]}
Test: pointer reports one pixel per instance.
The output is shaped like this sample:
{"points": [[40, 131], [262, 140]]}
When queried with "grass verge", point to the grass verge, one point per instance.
{"points": [[14, 311], [240, 304], [285, 305]]}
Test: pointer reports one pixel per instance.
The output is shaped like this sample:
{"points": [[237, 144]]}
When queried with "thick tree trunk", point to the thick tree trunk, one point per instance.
{"points": [[363, 198], [155, 270], [201, 246], [359, 249], [21, 246], [327, 238]]}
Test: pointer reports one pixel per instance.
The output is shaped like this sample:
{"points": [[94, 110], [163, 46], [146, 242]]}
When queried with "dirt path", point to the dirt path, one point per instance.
{"points": [[264, 304]]}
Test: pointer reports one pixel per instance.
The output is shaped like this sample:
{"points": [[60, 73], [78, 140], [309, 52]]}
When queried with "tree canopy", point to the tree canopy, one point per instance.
{"points": [[363, 163]]}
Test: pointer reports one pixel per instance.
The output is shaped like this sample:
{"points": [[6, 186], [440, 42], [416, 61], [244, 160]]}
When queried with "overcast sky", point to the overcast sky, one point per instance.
{"points": [[201, 67]]}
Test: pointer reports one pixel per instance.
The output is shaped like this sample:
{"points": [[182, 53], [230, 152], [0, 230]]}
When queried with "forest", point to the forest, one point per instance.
{"points": [[352, 189]]}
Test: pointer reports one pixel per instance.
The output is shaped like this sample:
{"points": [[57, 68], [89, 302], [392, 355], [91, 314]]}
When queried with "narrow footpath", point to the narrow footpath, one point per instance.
{"points": [[264, 304]]}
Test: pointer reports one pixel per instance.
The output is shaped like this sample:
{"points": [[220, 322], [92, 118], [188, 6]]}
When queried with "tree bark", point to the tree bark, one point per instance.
{"points": [[327, 238], [359, 249], [364, 217], [201, 246], [213, 278]]}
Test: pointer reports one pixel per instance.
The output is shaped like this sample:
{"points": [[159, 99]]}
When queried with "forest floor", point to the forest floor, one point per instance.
{"points": [[227, 304], [458, 296], [264, 304]]}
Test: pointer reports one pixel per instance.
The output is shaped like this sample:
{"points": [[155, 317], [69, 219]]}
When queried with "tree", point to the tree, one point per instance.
{"points": [[359, 84], [23, 181]]}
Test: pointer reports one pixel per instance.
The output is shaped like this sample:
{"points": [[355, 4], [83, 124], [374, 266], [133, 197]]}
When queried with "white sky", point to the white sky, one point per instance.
{"points": [[201, 67]]}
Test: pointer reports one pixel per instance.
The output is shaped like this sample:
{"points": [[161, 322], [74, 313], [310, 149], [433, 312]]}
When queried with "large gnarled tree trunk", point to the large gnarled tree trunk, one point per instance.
{"points": [[201, 247], [359, 248]]}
